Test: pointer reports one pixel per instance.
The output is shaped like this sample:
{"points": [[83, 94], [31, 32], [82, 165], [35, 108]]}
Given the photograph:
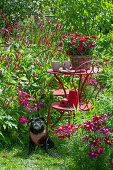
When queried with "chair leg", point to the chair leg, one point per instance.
{"points": [[48, 118]]}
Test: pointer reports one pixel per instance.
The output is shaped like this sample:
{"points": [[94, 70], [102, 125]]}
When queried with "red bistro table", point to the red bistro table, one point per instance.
{"points": [[82, 106]]}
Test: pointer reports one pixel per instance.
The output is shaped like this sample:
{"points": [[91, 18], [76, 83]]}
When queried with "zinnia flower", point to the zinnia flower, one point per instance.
{"points": [[89, 42], [82, 40], [79, 48], [93, 36]]}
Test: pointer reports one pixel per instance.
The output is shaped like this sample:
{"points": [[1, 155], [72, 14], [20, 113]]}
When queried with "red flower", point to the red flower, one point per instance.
{"points": [[82, 40], [79, 48], [60, 44], [93, 45], [89, 42], [72, 37], [93, 36], [78, 34], [86, 37], [74, 42], [81, 44], [64, 36], [74, 46], [69, 53]]}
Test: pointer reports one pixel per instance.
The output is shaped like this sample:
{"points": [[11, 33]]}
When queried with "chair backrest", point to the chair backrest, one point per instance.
{"points": [[92, 81]]}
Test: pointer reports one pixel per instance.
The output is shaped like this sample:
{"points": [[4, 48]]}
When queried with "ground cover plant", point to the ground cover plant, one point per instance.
{"points": [[26, 51]]}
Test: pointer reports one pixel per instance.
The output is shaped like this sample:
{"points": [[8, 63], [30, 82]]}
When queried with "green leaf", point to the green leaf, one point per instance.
{"points": [[23, 79]]}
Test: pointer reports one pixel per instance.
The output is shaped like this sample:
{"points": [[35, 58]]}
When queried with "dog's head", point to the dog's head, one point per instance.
{"points": [[37, 125]]}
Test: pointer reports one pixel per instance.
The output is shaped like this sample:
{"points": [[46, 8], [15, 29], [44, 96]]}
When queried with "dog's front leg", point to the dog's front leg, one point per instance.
{"points": [[46, 147], [31, 146]]}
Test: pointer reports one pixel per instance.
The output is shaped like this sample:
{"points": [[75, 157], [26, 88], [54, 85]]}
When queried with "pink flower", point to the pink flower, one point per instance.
{"points": [[106, 130], [94, 141], [23, 120], [60, 129], [35, 108], [112, 162], [92, 154], [96, 126], [86, 138], [87, 125], [62, 136], [41, 104], [96, 118], [108, 142], [99, 151], [23, 101]]}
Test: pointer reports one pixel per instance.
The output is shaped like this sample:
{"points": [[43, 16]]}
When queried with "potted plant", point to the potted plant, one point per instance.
{"points": [[79, 47]]}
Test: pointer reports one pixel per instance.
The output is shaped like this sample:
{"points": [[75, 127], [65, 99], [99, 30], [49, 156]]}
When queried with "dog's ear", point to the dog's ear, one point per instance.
{"points": [[30, 120], [42, 118]]}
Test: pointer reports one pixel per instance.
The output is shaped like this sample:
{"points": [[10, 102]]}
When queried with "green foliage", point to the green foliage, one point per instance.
{"points": [[85, 16], [16, 10]]}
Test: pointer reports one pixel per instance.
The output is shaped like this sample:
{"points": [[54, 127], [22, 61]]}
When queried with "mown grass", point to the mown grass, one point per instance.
{"points": [[17, 158]]}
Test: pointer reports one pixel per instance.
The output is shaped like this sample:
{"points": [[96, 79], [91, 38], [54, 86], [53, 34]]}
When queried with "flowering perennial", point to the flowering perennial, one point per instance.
{"points": [[25, 99], [65, 131], [30, 102], [93, 128], [96, 133], [23, 120], [77, 44]]}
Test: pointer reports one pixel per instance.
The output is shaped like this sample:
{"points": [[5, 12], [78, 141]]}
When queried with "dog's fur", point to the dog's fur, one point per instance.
{"points": [[39, 135]]}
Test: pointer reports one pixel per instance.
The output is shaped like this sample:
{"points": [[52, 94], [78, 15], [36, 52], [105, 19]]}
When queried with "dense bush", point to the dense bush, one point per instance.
{"points": [[85, 16]]}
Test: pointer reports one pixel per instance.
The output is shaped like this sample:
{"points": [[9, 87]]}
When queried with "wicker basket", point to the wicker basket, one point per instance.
{"points": [[78, 60]]}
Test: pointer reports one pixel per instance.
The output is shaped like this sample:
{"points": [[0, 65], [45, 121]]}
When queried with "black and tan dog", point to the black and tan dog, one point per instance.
{"points": [[39, 135]]}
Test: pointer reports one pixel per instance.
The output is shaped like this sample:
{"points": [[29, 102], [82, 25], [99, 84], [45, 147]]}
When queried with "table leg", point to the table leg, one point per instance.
{"points": [[61, 84], [57, 120]]}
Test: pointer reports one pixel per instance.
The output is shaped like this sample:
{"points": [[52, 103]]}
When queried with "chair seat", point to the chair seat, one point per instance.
{"points": [[59, 92]]}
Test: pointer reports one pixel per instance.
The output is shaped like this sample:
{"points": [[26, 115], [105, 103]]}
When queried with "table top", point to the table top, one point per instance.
{"points": [[71, 71], [82, 106]]}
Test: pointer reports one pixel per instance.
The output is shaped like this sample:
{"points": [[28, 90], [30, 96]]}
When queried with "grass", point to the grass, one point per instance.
{"points": [[17, 158]]}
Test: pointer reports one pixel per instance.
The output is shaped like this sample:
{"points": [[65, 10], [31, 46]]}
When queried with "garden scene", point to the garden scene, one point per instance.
{"points": [[56, 65]]}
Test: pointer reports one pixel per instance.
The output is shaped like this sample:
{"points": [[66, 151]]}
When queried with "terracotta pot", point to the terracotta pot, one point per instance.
{"points": [[78, 60]]}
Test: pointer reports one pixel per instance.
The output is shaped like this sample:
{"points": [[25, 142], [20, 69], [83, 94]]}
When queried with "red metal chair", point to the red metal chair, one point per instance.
{"points": [[95, 76]]}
